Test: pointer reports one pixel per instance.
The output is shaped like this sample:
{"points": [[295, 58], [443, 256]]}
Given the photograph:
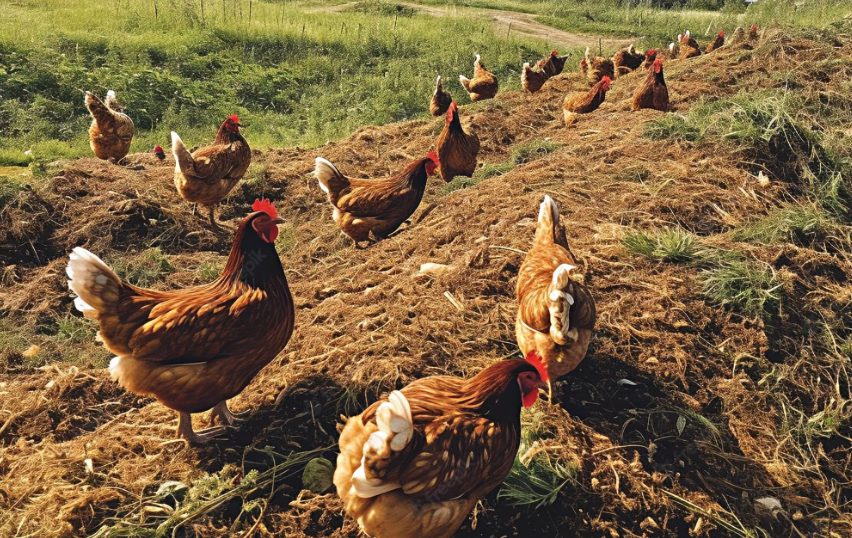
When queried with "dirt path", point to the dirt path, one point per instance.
{"points": [[521, 23]]}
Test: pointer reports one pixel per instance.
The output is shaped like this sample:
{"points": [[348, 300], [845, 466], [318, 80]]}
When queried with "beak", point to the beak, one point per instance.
{"points": [[278, 221], [241, 125]]}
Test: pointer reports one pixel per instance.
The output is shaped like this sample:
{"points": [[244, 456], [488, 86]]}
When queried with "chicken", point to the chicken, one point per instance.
{"points": [[193, 349], [159, 153], [374, 207], [440, 100], [653, 93], [533, 78], [556, 312], [584, 68], [207, 175], [553, 64], [650, 56], [483, 85], [598, 68], [627, 60], [457, 150], [674, 50], [753, 34], [585, 102], [112, 130], [717, 43], [688, 46], [416, 463]]}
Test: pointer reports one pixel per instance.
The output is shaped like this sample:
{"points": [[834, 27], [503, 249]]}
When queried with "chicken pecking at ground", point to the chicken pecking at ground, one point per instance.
{"points": [[553, 64], [416, 463], [598, 68], [374, 207], [195, 348], [653, 93], [441, 100], [585, 102], [457, 150], [111, 131], [717, 43], [627, 60], [533, 78], [688, 46], [556, 312], [208, 174], [483, 85], [159, 153]]}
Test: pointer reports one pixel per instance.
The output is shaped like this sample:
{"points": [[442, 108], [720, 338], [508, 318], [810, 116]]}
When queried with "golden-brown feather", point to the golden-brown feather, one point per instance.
{"points": [[111, 131]]}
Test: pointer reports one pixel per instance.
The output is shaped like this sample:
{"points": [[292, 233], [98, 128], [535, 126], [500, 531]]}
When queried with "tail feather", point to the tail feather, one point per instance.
{"points": [[183, 158], [95, 284], [560, 303], [99, 111], [548, 220], [438, 86], [396, 428], [586, 56], [329, 177], [465, 82]]}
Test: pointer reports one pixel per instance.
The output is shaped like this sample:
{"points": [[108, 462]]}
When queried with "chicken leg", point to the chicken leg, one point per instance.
{"points": [[185, 431], [226, 417]]}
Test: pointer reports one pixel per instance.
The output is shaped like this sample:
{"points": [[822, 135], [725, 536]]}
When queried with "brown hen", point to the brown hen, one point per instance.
{"points": [[457, 150], [195, 348], [533, 78], [207, 175], [112, 130], [688, 46], [483, 85], [415, 464], [585, 102], [653, 93], [440, 100], [553, 64], [374, 207], [627, 60], [556, 312], [716, 44], [598, 68]]}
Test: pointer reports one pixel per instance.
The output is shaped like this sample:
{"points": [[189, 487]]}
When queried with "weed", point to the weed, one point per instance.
{"points": [[9, 189], [751, 287], [74, 329], [208, 272], [532, 150], [525, 153], [674, 245], [802, 222], [148, 268]]}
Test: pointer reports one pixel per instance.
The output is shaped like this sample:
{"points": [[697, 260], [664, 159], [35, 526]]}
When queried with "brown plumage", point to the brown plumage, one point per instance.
{"points": [[457, 150], [627, 60], [556, 312], [650, 56], [533, 78], [415, 464], [207, 175], [111, 131], [440, 100], [717, 43], [653, 93], [377, 207], [195, 348], [753, 34], [585, 102], [553, 64], [483, 85], [598, 68], [688, 46]]}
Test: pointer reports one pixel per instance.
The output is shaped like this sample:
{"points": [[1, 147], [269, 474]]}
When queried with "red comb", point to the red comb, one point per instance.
{"points": [[158, 149], [265, 206], [721, 33], [554, 53], [234, 118], [650, 52], [434, 156], [582, 62], [535, 360], [753, 27]]}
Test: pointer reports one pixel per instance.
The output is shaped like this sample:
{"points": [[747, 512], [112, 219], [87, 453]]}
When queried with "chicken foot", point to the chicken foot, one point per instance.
{"points": [[226, 416], [185, 431]]}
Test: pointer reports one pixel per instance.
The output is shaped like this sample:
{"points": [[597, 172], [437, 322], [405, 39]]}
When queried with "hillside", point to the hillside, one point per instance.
{"points": [[715, 399]]}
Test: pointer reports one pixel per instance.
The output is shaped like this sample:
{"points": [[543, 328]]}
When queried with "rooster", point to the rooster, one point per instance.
{"points": [[416, 463], [440, 100], [112, 130], [717, 43], [195, 348], [653, 93], [627, 60], [457, 150], [552, 65], [159, 153], [374, 207], [585, 102], [556, 312], [483, 85], [533, 78], [598, 68], [688, 46], [207, 175]]}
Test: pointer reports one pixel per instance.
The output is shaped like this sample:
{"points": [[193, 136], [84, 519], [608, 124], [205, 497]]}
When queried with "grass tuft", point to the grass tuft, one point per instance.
{"points": [[674, 245], [752, 287], [149, 267]]}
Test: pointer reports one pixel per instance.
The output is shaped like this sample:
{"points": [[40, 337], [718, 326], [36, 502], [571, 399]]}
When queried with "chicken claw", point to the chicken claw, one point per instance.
{"points": [[185, 430], [226, 416]]}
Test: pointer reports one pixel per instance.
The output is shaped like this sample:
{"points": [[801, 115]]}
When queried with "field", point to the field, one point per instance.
{"points": [[715, 399]]}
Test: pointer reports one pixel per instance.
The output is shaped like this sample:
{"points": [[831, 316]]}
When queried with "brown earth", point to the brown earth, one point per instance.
{"points": [[672, 405]]}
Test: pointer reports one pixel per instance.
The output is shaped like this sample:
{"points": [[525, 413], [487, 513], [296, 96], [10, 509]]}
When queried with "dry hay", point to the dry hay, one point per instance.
{"points": [[668, 409]]}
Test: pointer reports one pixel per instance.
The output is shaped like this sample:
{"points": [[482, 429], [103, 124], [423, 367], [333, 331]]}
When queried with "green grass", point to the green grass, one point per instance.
{"points": [[751, 287], [674, 245], [295, 76], [800, 223], [522, 154], [144, 270]]}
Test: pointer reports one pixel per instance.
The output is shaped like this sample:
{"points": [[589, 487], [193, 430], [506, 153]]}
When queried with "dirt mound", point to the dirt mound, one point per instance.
{"points": [[668, 425]]}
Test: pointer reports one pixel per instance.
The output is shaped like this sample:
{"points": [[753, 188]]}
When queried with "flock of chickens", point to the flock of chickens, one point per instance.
{"points": [[416, 462]]}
